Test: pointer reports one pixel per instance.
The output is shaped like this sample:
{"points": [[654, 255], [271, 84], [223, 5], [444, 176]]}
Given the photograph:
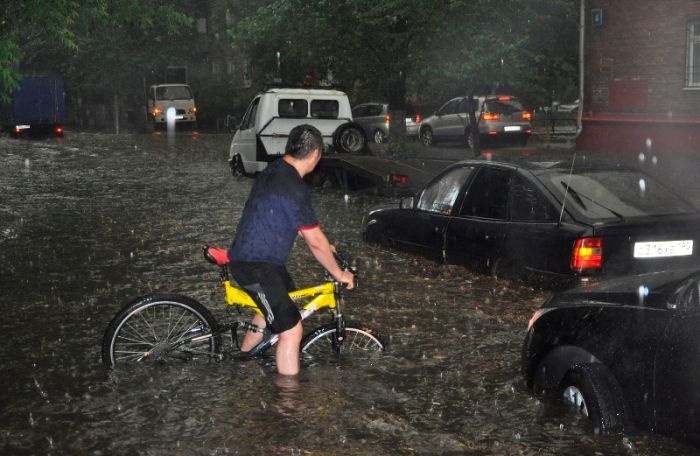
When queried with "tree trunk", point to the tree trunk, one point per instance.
{"points": [[116, 113]]}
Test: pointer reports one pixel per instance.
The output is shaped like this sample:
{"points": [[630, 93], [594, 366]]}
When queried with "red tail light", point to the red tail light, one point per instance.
{"points": [[387, 117], [418, 118], [398, 179], [527, 115], [504, 98], [490, 116], [587, 254]]}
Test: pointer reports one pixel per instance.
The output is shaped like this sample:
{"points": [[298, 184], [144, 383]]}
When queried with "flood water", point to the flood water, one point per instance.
{"points": [[93, 220]]}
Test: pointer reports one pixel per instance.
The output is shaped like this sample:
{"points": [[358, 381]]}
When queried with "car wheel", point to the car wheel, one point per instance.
{"points": [[426, 137], [379, 137], [349, 138], [236, 164], [470, 140], [593, 391]]}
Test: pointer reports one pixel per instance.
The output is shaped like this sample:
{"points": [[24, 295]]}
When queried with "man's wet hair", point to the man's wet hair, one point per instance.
{"points": [[303, 139]]}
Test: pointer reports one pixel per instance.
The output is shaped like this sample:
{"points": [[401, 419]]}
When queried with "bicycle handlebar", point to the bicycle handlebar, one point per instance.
{"points": [[345, 265]]}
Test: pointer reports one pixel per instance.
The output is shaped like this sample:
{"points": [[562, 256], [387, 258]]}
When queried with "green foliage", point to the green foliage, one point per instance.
{"points": [[430, 50], [97, 44], [27, 26]]}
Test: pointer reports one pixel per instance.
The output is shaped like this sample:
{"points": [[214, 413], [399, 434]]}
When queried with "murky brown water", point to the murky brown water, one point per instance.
{"points": [[91, 221]]}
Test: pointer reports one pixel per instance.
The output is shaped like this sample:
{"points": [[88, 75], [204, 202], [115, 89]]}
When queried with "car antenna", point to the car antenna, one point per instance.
{"points": [[566, 192]]}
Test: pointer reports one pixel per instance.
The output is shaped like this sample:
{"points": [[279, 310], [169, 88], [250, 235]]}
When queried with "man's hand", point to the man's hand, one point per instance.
{"points": [[348, 278]]}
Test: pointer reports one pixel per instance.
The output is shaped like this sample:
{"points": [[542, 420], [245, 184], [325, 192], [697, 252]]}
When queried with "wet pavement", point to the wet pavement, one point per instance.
{"points": [[93, 220]]}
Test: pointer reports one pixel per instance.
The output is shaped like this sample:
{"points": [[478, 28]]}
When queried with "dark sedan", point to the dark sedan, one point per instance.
{"points": [[625, 352], [537, 219]]}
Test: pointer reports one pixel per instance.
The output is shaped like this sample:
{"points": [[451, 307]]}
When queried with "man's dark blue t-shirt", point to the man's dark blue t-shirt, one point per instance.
{"points": [[279, 205]]}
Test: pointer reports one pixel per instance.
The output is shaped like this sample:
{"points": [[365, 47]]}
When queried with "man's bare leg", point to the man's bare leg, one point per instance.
{"points": [[287, 356], [251, 339]]}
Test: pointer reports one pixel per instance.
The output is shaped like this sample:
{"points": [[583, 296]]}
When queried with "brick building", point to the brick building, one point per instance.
{"points": [[642, 75]]}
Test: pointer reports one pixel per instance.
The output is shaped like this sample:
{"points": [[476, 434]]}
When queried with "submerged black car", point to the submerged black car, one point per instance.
{"points": [[625, 352], [543, 219]]}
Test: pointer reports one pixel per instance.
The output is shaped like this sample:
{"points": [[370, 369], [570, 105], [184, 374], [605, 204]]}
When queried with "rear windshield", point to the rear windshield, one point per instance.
{"points": [[292, 108], [608, 194], [502, 106], [173, 93]]}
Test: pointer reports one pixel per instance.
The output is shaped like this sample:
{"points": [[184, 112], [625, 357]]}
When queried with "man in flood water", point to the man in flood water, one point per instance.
{"points": [[277, 210]]}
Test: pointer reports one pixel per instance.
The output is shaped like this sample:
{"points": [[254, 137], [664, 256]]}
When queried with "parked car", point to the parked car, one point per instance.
{"points": [[179, 98], [500, 118], [624, 352], [271, 115], [542, 220], [375, 119]]}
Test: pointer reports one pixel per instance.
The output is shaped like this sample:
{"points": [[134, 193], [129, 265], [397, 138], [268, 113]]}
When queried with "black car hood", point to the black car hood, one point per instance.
{"points": [[650, 290]]}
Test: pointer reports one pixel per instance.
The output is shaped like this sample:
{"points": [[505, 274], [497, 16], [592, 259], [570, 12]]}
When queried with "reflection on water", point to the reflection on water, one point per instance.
{"points": [[91, 221]]}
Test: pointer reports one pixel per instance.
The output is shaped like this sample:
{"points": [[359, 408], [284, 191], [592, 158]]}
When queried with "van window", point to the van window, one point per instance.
{"points": [[324, 109], [292, 108], [173, 93], [249, 118]]}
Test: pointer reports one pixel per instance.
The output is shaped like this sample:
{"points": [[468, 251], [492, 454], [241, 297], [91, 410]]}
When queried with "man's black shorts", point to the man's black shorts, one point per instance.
{"points": [[269, 285]]}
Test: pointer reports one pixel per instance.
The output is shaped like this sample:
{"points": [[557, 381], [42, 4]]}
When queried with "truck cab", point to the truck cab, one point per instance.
{"points": [[162, 97]]}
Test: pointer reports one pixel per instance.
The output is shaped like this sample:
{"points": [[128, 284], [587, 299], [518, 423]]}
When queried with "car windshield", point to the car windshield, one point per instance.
{"points": [[173, 93], [502, 106], [605, 194]]}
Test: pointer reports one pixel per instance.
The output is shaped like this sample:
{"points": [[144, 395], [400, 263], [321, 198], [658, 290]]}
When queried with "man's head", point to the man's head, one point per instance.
{"points": [[303, 140]]}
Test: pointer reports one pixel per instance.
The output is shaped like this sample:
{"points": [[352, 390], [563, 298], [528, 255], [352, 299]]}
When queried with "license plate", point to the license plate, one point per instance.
{"points": [[179, 117], [512, 128], [662, 249]]}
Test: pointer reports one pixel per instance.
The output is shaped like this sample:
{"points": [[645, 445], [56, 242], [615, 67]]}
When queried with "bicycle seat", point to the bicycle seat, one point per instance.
{"points": [[215, 255]]}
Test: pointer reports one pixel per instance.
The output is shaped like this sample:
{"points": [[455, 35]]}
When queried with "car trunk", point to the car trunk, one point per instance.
{"points": [[646, 244]]}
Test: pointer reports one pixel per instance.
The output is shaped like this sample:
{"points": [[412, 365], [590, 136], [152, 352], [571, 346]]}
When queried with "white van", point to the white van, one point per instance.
{"points": [[262, 135], [161, 97]]}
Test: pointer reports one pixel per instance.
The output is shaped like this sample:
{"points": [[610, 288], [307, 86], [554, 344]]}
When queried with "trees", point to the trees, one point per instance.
{"points": [[432, 49], [27, 28], [103, 48]]}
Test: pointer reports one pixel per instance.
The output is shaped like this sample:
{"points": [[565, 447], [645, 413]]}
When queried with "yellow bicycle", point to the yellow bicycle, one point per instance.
{"points": [[166, 327]]}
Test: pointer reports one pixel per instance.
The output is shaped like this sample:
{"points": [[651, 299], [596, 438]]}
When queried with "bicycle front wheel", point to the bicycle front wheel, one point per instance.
{"points": [[359, 341], [160, 327]]}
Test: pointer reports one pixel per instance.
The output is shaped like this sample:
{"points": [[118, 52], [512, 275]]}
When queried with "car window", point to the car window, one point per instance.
{"points": [[488, 194], [464, 105], [602, 194], [292, 108], [173, 93], [450, 108], [249, 118], [502, 106], [359, 111], [527, 203], [374, 110], [324, 109], [441, 194]]}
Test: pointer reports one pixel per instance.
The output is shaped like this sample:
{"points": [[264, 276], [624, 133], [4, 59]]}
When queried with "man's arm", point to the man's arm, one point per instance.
{"points": [[323, 252]]}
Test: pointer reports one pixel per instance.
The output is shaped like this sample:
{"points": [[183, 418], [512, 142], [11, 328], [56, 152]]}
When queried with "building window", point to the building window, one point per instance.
{"points": [[692, 78]]}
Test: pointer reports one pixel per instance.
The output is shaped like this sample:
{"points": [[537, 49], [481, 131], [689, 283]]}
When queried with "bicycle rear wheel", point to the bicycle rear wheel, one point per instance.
{"points": [[359, 341], [160, 327]]}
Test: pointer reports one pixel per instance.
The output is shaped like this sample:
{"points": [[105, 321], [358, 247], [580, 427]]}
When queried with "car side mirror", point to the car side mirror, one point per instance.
{"points": [[406, 202]]}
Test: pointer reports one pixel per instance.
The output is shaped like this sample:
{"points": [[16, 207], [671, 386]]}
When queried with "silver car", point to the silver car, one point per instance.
{"points": [[500, 118], [375, 119]]}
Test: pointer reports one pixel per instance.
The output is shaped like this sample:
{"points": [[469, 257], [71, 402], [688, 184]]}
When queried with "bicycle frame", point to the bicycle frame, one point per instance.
{"points": [[324, 296]]}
